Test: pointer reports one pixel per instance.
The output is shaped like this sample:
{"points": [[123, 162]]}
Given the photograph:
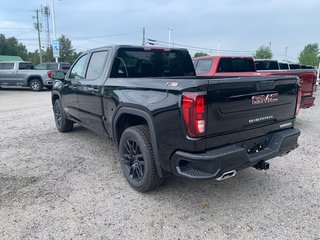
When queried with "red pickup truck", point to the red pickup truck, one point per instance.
{"points": [[308, 78], [224, 66], [235, 66]]}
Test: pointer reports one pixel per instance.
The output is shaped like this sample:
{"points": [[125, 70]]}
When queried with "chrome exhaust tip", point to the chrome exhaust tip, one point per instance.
{"points": [[227, 175]]}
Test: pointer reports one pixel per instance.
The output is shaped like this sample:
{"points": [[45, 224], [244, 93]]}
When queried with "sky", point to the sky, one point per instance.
{"points": [[225, 27]]}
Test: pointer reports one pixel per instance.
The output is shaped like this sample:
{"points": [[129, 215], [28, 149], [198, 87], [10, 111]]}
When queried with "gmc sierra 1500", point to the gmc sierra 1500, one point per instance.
{"points": [[165, 120]]}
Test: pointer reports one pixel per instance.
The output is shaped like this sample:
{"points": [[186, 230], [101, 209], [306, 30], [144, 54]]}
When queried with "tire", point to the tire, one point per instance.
{"points": [[62, 123], [137, 159], [35, 84]]}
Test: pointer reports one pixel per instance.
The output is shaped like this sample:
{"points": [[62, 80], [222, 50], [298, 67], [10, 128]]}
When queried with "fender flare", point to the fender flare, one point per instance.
{"points": [[148, 118], [55, 93]]}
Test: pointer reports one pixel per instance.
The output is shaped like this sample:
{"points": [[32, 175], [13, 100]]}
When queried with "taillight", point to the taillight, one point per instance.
{"points": [[194, 113], [298, 100], [49, 74]]}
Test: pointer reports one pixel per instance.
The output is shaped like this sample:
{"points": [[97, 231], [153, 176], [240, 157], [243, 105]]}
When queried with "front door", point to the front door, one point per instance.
{"points": [[71, 87]]}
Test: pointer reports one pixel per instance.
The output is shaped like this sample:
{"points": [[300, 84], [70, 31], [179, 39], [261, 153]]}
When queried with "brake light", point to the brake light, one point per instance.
{"points": [[298, 100], [194, 114], [50, 73]]}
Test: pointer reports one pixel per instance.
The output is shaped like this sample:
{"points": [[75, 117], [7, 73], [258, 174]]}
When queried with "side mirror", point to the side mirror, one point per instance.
{"points": [[58, 75]]}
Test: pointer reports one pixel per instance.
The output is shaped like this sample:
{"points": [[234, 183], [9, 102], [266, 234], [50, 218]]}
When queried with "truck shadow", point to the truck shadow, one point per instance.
{"points": [[189, 195]]}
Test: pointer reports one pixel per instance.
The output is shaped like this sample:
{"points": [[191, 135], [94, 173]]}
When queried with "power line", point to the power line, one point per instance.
{"points": [[154, 42], [17, 28], [105, 36]]}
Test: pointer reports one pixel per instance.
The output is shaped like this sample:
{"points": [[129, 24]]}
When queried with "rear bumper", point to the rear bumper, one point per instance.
{"points": [[48, 83], [307, 101], [213, 163]]}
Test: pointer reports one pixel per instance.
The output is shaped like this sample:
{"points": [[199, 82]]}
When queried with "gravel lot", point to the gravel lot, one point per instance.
{"points": [[70, 186]]}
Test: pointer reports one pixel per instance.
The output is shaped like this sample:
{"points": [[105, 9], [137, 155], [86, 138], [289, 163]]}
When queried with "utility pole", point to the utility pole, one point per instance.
{"points": [[219, 48], [285, 54], [38, 26], [53, 23], [169, 41], [143, 36], [46, 12]]}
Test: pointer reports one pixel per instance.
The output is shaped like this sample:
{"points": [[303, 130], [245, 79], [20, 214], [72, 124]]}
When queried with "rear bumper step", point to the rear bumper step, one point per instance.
{"points": [[219, 162]]}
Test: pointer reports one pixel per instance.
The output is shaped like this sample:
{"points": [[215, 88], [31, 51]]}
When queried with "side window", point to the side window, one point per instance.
{"points": [[96, 64], [6, 66], [78, 70], [203, 66], [24, 65]]}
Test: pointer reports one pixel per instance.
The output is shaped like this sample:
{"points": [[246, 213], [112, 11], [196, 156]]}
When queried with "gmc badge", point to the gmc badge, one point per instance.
{"points": [[261, 99]]}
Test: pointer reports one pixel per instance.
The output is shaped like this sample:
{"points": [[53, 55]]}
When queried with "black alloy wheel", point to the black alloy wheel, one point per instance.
{"points": [[133, 160], [137, 159], [62, 123]]}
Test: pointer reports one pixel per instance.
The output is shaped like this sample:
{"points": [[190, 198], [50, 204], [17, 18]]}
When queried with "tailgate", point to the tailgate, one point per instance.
{"points": [[240, 104]]}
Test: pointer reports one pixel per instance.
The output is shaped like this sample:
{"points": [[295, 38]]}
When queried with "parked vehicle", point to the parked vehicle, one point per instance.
{"points": [[302, 66], [266, 64], [294, 66], [307, 79], [232, 66], [224, 66], [284, 65], [65, 66], [21, 73], [166, 120]]}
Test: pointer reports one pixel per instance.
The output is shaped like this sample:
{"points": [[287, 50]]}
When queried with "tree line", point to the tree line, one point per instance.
{"points": [[310, 55], [11, 46]]}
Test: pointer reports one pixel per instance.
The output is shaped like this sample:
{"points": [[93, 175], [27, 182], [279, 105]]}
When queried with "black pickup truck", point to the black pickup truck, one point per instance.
{"points": [[166, 120]]}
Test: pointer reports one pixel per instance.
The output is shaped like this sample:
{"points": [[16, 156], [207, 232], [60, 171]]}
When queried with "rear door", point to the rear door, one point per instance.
{"points": [[8, 75], [236, 105], [90, 90]]}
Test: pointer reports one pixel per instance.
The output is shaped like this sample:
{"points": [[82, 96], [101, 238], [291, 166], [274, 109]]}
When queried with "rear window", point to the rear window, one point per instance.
{"points": [[204, 66], [6, 66], [236, 65], [267, 65], [137, 63]]}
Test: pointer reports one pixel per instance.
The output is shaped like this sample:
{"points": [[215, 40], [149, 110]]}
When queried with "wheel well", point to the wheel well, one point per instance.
{"points": [[34, 77], [54, 98], [125, 121]]}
